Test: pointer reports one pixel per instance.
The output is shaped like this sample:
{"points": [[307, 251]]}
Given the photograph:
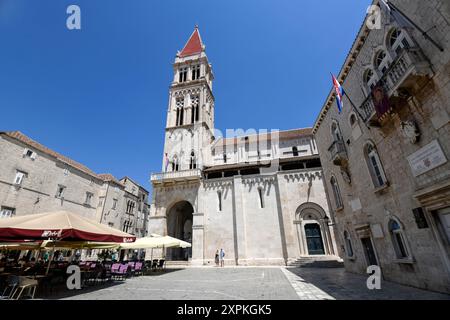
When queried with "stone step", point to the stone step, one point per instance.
{"points": [[177, 263], [317, 262]]}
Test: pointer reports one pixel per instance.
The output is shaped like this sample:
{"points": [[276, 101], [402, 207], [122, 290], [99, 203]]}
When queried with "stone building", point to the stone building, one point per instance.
{"points": [[258, 195], [35, 179], [385, 156]]}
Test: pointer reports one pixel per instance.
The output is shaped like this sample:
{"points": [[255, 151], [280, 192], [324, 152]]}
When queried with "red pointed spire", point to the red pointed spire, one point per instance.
{"points": [[194, 44]]}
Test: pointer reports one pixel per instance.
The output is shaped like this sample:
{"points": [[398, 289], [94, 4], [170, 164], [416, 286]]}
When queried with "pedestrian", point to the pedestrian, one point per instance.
{"points": [[221, 257], [216, 258]]}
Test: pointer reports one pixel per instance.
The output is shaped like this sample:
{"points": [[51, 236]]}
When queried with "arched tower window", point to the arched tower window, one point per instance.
{"points": [[182, 74], [195, 108], [375, 166], [175, 164], [195, 72], [295, 151], [193, 161], [180, 111]]}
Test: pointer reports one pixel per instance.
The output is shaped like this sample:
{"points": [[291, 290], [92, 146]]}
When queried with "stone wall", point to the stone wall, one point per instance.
{"points": [[364, 204]]}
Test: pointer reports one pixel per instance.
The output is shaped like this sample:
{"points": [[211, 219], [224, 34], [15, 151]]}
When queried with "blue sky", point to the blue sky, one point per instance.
{"points": [[99, 94]]}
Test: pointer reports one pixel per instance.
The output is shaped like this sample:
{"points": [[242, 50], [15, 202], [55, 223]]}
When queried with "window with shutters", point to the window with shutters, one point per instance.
{"points": [[20, 175]]}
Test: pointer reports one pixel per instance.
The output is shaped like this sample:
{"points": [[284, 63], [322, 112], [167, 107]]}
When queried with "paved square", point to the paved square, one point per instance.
{"points": [[200, 284], [250, 284], [337, 284]]}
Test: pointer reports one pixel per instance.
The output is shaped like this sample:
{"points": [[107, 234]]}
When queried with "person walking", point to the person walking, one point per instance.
{"points": [[221, 257], [216, 258]]}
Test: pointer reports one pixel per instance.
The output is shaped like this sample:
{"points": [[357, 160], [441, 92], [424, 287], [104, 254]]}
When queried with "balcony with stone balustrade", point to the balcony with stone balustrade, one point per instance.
{"points": [[399, 82], [175, 176]]}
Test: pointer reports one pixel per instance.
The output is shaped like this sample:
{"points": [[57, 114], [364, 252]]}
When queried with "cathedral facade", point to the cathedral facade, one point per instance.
{"points": [[259, 196]]}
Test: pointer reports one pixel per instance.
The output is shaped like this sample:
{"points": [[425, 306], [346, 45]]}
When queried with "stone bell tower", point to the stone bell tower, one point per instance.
{"points": [[190, 114]]}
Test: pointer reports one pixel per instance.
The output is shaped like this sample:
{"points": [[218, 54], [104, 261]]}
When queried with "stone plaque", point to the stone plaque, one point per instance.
{"points": [[427, 158], [377, 231], [355, 204]]}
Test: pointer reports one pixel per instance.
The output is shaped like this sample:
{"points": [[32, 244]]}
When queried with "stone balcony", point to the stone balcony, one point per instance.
{"points": [[176, 176], [338, 153], [399, 81]]}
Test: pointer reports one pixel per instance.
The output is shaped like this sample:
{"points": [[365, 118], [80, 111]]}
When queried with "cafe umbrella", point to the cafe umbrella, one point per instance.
{"points": [[60, 226], [156, 241]]}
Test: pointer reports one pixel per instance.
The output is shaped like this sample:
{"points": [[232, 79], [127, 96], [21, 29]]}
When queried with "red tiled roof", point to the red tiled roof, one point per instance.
{"points": [[107, 177], [19, 136], [194, 44]]}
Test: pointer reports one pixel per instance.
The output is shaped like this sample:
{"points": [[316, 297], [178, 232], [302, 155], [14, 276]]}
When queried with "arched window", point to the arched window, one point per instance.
{"points": [[219, 200], [353, 120], [180, 111], [381, 61], [224, 157], [368, 76], [193, 161], [182, 74], [175, 164], [379, 58], [348, 244], [369, 79], [336, 132], [397, 40], [261, 197], [195, 72], [398, 239], [195, 108], [336, 193], [375, 167], [295, 151]]}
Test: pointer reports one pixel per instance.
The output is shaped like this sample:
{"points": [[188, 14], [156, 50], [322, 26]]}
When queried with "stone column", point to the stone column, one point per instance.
{"points": [[198, 239]]}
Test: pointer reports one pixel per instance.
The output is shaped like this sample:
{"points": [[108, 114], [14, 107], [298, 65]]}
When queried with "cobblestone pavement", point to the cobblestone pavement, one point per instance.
{"points": [[250, 284], [201, 284], [336, 284]]}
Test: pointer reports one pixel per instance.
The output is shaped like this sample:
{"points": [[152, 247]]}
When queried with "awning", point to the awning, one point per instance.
{"points": [[59, 225]]}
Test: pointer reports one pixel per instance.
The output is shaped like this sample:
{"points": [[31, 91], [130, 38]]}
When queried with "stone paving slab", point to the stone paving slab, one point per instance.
{"points": [[337, 284], [199, 284], [251, 283]]}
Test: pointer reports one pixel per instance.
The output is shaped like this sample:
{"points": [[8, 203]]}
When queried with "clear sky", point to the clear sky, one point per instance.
{"points": [[99, 95]]}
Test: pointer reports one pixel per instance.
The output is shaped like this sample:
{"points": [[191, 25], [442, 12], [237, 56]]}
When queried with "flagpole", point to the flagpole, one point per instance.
{"points": [[424, 33]]}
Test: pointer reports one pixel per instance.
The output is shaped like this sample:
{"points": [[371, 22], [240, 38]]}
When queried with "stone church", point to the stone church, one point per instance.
{"points": [[259, 196]]}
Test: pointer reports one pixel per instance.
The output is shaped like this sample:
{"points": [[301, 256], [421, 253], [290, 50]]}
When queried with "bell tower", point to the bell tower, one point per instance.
{"points": [[190, 113]]}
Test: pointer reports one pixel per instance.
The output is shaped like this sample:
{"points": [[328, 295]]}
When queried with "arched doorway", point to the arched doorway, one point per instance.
{"points": [[179, 225], [313, 230], [314, 241]]}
